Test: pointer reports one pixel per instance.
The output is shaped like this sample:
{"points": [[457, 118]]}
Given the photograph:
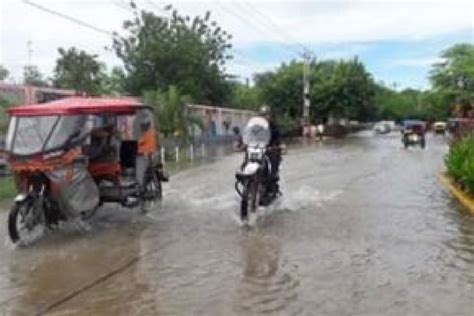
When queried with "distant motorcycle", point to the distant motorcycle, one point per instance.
{"points": [[254, 181]]}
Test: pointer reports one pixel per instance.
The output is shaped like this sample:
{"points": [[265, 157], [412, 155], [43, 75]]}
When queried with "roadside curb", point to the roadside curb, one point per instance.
{"points": [[465, 199]]}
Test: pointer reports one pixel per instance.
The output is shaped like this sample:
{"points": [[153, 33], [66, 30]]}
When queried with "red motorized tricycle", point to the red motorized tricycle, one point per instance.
{"points": [[71, 156]]}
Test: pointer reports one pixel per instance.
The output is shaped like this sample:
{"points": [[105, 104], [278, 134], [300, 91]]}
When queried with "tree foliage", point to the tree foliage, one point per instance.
{"points": [[3, 73], [245, 97], [161, 51], [4, 104], [76, 69], [170, 111], [342, 89], [33, 77], [454, 76], [337, 88]]}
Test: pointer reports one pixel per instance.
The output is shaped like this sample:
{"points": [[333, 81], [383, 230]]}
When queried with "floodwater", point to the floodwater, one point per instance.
{"points": [[363, 228]]}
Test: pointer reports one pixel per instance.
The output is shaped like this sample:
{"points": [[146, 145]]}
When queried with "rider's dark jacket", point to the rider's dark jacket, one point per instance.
{"points": [[275, 154], [275, 135]]}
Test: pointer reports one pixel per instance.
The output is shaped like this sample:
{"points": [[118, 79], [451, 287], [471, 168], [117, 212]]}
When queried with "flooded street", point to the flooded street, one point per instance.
{"points": [[363, 228]]}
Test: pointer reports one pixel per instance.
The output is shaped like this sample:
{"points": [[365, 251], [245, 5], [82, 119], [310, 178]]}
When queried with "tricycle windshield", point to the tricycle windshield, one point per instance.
{"points": [[36, 134], [257, 132]]}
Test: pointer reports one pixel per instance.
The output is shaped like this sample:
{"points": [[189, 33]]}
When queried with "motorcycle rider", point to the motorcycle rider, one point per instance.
{"points": [[274, 150]]}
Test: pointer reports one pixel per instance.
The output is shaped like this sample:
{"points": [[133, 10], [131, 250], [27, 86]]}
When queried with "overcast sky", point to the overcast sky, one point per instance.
{"points": [[398, 40]]}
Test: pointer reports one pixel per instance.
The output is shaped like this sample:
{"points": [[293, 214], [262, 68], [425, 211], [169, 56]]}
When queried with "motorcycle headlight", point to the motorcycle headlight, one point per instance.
{"points": [[254, 156]]}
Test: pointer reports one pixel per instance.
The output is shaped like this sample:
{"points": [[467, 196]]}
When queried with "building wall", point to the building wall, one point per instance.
{"points": [[20, 94], [219, 121]]}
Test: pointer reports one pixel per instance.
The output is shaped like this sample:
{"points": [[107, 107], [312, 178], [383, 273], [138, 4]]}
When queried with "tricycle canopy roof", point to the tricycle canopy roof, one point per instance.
{"points": [[79, 105], [413, 122]]}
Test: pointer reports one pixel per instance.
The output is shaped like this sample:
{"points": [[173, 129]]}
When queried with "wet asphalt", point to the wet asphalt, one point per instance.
{"points": [[363, 228]]}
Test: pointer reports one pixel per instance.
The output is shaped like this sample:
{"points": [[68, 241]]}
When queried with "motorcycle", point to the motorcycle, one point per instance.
{"points": [[255, 183]]}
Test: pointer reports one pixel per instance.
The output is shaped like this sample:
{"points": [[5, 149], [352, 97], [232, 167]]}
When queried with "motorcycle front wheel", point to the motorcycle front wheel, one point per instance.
{"points": [[250, 200], [26, 222]]}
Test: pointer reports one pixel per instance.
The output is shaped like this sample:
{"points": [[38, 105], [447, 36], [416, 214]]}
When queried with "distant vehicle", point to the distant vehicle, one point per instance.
{"points": [[440, 127], [382, 128], [413, 133]]}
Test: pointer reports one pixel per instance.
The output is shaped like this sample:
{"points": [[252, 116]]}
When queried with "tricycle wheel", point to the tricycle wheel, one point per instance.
{"points": [[26, 222]]}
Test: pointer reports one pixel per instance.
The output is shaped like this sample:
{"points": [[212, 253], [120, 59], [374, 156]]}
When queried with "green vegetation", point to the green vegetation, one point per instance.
{"points": [[452, 80], [460, 163], [175, 50], [7, 188], [4, 104], [170, 110], [78, 70], [454, 76], [3, 73], [339, 89], [33, 77]]}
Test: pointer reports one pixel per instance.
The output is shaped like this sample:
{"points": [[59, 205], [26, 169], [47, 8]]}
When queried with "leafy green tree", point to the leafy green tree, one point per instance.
{"points": [[454, 76], [113, 83], [75, 69], [33, 77], [3, 73], [282, 89], [435, 105], [338, 89], [399, 105], [245, 97], [190, 53], [342, 89], [170, 112]]}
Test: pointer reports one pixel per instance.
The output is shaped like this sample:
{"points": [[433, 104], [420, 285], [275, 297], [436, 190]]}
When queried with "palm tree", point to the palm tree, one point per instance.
{"points": [[170, 112]]}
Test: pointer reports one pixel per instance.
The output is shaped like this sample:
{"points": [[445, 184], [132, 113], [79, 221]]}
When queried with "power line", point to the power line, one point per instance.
{"points": [[69, 18], [247, 21], [268, 23], [121, 5]]}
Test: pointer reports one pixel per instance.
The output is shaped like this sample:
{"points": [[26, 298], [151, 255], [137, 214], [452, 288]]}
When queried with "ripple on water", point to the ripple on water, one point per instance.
{"points": [[462, 246], [269, 284]]}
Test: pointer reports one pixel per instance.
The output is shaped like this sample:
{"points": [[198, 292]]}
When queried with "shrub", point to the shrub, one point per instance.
{"points": [[460, 163]]}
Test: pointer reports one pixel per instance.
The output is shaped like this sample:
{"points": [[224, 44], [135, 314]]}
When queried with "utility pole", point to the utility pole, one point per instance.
{"points": [[30, 51], [306, 99]]}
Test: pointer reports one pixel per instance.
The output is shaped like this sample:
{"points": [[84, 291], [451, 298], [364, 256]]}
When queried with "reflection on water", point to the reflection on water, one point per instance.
{"points": [[363, 228], [462, 244], [269, 284], [62, 267]]}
